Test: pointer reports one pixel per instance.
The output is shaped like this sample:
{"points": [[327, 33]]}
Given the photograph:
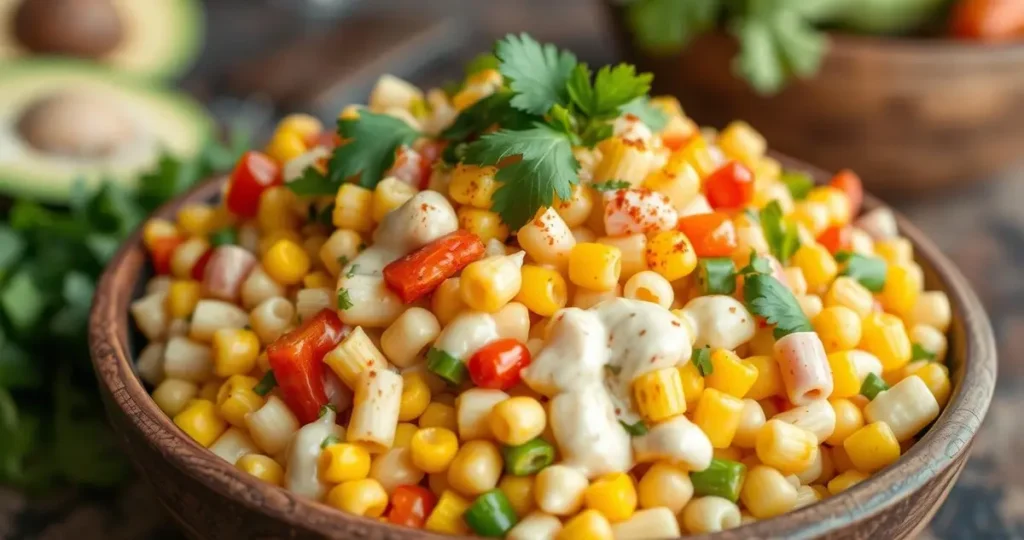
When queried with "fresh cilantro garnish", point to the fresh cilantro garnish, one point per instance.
{"points": [[329, 440], [783, 239], [611, 185], [701, 358], [776, 43], [635, 430], [536, 73], [641, 107], [546, 168], [482, 62], [351, 271], [757, 265], [766, 296], [493, 110], [612, 89], [868, 271], [266, 384], [917, 352], [344, 301], [665, 26]]}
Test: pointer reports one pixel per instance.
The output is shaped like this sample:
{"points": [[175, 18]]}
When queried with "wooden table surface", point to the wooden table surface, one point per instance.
{"points": [[981, 228]]}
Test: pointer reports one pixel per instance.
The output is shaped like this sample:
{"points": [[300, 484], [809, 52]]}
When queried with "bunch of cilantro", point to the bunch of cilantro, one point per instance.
{"points": [[52, 428], [550, 102], [779, 39]]}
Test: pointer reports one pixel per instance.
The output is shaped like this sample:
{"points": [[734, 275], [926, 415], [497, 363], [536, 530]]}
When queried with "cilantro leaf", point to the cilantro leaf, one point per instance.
{"points": [[329, 440], [783, 240], [312, 182], [641, 107], [766, 296], [918, 352], [481, 62], [701, 358], [798, 183], [757, 265], [266, 384], [611, 185], [344, 300], [493, 110], [547, 167], [635, 430], [665, 26], [612, 89], [537, 73], [871, 272], [776, 43]]}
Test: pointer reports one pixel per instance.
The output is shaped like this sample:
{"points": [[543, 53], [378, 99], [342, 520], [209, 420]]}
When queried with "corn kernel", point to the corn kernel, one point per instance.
{"points": [[849, 418], [896, 250], [304, 125], [543, 290], [342, 462], [415, 397], [182, 297], [199, 420], [262, 467], [519, 491], [936, 378], [729, 374], [317, 280], [234, 351], [740, 141], [446, 518], [587, 525], [483, 223], [670, 254], [473, 185], [769, 378], [197, 219], [836, 202], [718, 415], [236, 398], [693, 384], [277, 210], [285, 146], [846, 481], [817, 265], [885, 337], [848, 292], [838, 327], [353, 208], [613, 495], [438, 415], [903, 286], [659, 394], [490, 283], [595, 266], [846, 379], [364, 497], [286, 262], [389, 194], [872, 447], [788, 448]]}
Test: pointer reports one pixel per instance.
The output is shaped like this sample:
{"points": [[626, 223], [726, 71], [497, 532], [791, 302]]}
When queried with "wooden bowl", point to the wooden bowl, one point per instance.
{"points": [[211, 499], [908, 115]]}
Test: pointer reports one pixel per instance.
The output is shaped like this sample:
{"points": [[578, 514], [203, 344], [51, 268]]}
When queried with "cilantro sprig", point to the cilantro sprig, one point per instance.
{"points": [[769, 298], [782, 238]]}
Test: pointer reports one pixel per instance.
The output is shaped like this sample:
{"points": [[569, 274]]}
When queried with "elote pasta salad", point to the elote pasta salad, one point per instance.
{"points": [[540, 305]]}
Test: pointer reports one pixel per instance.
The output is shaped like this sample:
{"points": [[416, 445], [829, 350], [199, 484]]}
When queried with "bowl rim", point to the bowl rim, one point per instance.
{"points": [[945, 444]]}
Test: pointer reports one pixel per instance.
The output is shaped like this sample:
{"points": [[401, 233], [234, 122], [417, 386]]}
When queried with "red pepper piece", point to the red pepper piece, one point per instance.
{"points": [[430, 152], [712, 235], [836, 239], [497, 365], [421, 271], [988, 20], [731, 186], [199, 268], [254, 173], [297, 361], [410, 506], [850, 183], [162, 250]]}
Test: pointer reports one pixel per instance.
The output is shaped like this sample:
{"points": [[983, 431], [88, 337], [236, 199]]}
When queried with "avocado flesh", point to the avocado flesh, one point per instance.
{"points": [[133, 125], [161, 38]]}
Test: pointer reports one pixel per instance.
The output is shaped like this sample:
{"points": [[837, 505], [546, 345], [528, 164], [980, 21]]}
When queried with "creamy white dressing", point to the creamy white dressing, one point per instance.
{"points": [[303, 452], [719, 322], [467, 333]]}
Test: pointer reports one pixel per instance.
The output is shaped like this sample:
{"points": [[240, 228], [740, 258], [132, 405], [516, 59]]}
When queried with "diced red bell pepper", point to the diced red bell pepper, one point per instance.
{"points": [[423, 270], [199, 268], [498, 364], [254, 173], [730, 186], [848, 181], [988, 20], [161, 252], [297, 361], [430, 152], [836, 239], [410, 506], [712, 235]]}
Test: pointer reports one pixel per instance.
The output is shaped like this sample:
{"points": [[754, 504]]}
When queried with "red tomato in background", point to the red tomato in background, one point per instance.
{"points": [[731, 186]]}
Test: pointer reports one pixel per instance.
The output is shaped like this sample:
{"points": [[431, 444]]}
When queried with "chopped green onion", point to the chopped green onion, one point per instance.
{"points": [[329, 440], [491, 514], [717, 276], [798, 183], [635, 430], [325, 408], [917, 352], [344, 301], [528, 458], [352, 271], [611, 185], [869, 271], [266, 384], [872, 386], [446, 366], [722, 478], [701, 358], [223, 237]]}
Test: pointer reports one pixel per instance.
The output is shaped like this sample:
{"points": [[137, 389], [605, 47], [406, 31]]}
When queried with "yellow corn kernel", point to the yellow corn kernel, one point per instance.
{"points": [[517, 420], [353, 208], [849, 418], [740, 141], [473, 185], [172, 395], [595, 266], [587, 525], [182, 297], [415, 397], [483, 223], [363, 497], [836, 201], [403, 434], [339, 249], [732, 453], [665, 485], [935, 377], [903, 286], [677, 180], [286, 262], [846, 481], [236, 398], [769, 378], [896, 250], [446, 302], [838, 327], [304, 125], [341, 462], [885, 337], [622, 160], [490, 283], [718, 415], [354, 355], [439, 415], [670, 254], [234, 351], [872, 447], [613, 495], [317, 280], [767, 170], [446, 518], [751, 422], [208, 390], [817, 265], [285, 145], [731, 375], [846, 380], [543, 290], [476, 468], [277, 210], [812, 215], [389, 194], [849, 293], [200, 421], [197, 219], [659, 394], [693, 383], [268, 240], [444, 399], [788, 448], [698, 155], [577, 208], [262, 467], [156, 229], [519, 492], [766, 492]]}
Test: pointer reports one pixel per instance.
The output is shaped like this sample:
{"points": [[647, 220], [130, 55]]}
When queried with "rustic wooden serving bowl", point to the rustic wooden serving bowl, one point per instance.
{"points": [[909, 115], [211, 499]]}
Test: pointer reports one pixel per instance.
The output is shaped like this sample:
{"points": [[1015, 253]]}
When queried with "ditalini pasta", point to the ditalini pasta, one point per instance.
{"points": [[557, 315]]}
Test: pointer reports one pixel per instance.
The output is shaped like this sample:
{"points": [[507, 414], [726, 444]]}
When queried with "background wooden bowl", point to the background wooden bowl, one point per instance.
{"points": [[210, 499], [908, 115]]}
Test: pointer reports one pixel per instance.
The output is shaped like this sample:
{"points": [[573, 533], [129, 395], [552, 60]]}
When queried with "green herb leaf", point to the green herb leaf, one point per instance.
{"points": [[783, 240], [329, 440], [22, 301], [766, 296], [12, 248], [641, 107], [776, 43], [547, 167], [917, 352], [352, 271], [701, 357], [611, 185], [266, 384], [537, 73], [665, 26], [872, 386], [798, 183], [17, 369], [325, 408], [493, 110], [870, 272], [757, 265], [612, 89], [344, 301], [635, 430], [482, 62]]}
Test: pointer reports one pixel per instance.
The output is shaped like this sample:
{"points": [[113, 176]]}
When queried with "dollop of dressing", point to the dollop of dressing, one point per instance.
{"points": [[303, 453]]}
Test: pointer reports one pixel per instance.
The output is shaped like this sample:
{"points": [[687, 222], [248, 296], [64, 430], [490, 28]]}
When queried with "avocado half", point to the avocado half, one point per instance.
{"points": [[68, 120], [157, 39]]}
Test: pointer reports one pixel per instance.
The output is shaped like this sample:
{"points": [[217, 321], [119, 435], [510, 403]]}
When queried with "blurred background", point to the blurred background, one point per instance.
{"points": [[923, 98]]}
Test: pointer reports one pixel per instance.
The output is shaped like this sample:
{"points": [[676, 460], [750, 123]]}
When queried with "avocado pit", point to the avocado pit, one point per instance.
{"points": [[76, 124], [81, 28]]}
